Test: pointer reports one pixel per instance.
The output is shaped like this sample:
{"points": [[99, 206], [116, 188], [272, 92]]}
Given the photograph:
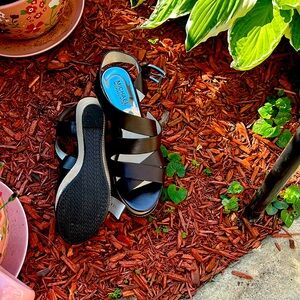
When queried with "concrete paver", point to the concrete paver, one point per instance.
{"points": [[276, 274]]}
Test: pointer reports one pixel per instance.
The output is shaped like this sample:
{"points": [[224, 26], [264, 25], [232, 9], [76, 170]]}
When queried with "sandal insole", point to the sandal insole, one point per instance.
{"points": [[83, 203], [121, 92]]}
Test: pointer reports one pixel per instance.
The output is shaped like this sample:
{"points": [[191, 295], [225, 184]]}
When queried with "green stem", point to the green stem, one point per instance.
{"points": [[10, 199]]}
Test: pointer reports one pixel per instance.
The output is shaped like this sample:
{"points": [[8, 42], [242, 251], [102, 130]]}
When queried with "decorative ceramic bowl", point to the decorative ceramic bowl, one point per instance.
{"points": [[16, 247], [67, 23], [3, 229], [13, 289], [26, 19]]}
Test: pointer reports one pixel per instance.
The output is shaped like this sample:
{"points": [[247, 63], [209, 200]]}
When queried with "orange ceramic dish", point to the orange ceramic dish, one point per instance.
{"points": [[26, 19], [67, 23], [3, 230]]}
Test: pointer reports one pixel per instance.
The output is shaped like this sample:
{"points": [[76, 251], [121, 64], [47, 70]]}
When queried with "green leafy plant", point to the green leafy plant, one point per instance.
{"points": [[235, 188], [164, 151], [230, 200], [207, 171], [162, 228], [170, 210], [174, 167], [184, 234], [273, 116], [177, 195], [151, 218], [284, 138], [153, 41], [230, 204], [195, 163], [116, 294], [255, 27], [287, 203]]}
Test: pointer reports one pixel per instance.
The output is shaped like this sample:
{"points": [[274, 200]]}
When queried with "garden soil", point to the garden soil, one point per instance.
{"points": [[207, 110]]}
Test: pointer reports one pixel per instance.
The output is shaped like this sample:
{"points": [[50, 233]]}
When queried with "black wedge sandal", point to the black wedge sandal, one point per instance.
{"points": [[83, 196], [134, 157]]}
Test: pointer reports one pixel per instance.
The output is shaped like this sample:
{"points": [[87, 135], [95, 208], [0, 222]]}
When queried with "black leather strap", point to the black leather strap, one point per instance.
{"points": [[138, 171], [121, 145], [127, 185], [127, 121]]}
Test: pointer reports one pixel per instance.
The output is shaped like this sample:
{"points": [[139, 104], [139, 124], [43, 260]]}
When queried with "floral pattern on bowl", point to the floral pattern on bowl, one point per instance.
{"points": [[27, 19]]}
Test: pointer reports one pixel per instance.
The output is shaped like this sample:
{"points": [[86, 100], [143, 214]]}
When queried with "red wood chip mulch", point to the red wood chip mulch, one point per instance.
{"points": [[210, 109]]}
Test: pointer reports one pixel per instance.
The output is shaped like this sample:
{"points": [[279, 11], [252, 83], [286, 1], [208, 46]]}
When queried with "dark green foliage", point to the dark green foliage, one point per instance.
{"points": [[288, 203], [275, 114]]}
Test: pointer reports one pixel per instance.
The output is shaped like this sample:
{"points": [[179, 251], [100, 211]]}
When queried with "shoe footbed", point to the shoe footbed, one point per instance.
{"points": [[120, 90]]}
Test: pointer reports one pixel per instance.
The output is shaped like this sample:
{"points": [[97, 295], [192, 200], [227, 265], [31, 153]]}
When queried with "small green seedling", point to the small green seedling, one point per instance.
{"points": [[235, 188], [175, 194], [207, 171], [284, 138], [195, 163], [165, 229], [160, 229], [287, 203], [137, 271], [151, 218], [174, 167], [184, 235], [116, 294], [10, 199], [230, 202], [164, 151], [2, 164], [169, 210], [280, 93], [153, 41], [275, 113]]}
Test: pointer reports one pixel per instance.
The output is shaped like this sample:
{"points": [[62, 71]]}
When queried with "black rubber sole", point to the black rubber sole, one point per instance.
{"points": [[83, 204]]}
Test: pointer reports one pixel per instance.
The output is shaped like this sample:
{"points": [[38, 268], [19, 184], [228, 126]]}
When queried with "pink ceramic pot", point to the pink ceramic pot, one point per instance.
{"points": [[13, 289], [3, 229], [13, 245], [16, 247], [26, 19]]}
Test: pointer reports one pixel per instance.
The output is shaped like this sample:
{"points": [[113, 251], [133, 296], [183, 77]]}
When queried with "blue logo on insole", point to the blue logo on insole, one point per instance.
{"points": [[121, 92]]}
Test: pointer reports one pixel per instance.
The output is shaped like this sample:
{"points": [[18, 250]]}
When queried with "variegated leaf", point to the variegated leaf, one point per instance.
{"points": [[135, 3], [210, 17], [254, 37], [168, 9]]}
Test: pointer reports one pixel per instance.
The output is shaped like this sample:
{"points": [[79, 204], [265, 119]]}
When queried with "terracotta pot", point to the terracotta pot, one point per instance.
{"points": [[26, 19], [3, 230]]}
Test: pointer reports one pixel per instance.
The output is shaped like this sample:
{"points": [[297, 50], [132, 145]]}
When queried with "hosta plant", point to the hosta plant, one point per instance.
{"points": [[255, 27]]}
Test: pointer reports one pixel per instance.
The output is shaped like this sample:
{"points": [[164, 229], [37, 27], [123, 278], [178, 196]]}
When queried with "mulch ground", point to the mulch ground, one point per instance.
{"points": [[208, 109]]}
